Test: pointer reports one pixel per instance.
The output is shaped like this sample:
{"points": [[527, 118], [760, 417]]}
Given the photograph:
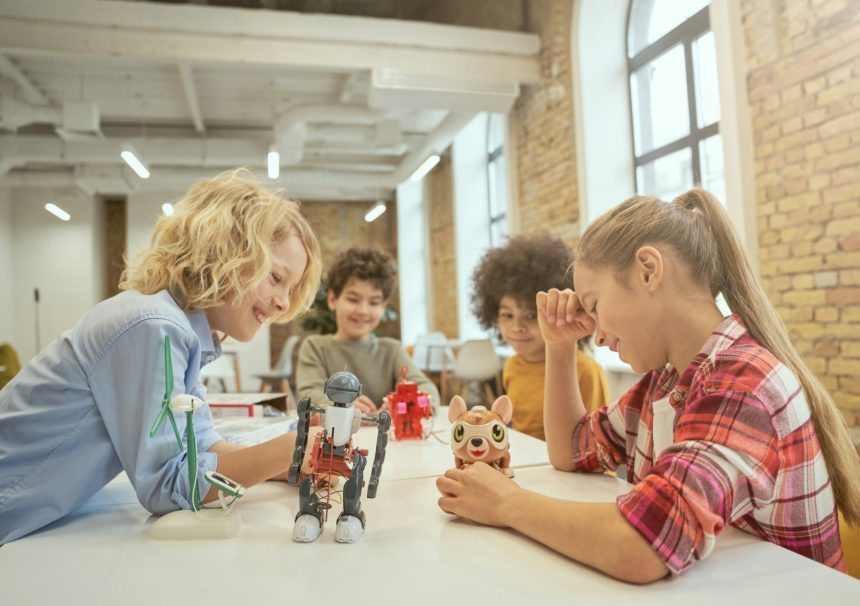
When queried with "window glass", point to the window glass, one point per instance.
{"points": [[667, 176], [650, 20], [707, 89], [659, 95], [713, 172]]}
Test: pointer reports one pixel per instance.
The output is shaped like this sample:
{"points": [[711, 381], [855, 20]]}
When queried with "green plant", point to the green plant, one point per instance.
{"points": [[320, 319]]}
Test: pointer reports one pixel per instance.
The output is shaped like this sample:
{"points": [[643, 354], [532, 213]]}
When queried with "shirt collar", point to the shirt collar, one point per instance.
{"points": [[210, 344], [724, 336]]}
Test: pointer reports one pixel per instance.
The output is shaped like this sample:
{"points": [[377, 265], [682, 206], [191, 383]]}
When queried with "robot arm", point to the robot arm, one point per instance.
{"points": [[384, 424], [305, 409]]}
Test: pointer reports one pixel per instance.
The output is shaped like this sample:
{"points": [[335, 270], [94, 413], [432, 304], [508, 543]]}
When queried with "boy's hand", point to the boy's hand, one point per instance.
{"points": [[365, 405], [561, 317]]}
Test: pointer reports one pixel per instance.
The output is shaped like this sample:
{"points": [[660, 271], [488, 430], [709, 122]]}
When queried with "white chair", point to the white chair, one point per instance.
{"points": [[278, 379], [432, 354], [220, 370], [477, 362]]}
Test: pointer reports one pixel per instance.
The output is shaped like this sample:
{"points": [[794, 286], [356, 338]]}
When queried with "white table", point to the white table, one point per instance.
{"points": [[412, 553]]}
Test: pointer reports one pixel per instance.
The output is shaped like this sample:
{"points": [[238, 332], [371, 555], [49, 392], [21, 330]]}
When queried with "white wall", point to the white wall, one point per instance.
{"points": [[6, 287], [58, 258], [471, 216], [413, 259]]}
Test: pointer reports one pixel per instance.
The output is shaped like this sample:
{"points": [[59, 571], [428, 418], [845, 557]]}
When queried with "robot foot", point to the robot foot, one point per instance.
{"points": [[307, 529], [349, 529]]}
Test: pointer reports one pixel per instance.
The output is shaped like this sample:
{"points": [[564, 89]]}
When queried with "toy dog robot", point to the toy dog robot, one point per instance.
{"points": [[408, 406], [332, 457], [479, 434]]}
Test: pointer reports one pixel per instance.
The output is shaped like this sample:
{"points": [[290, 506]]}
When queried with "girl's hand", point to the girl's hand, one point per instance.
{"points": [[561, 317], [477, 493]]}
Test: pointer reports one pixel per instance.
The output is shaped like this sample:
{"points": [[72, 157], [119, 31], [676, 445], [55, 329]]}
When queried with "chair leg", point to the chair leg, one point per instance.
{"points": [[489, 393]]}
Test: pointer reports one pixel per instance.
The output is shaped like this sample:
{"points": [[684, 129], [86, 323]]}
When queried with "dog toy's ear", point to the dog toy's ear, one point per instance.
{"points": [[456, 408], [504, 408]]}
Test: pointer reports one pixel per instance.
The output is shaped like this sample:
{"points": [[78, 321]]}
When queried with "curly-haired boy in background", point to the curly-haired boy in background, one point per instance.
{"points": [[505, 284]]}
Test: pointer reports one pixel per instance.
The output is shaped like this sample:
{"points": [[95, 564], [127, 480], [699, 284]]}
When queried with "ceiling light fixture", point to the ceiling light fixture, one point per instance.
{"points": [[57, 211], [133, 159], [274, 162], [375, 212], [425, 168], [167, 208]]}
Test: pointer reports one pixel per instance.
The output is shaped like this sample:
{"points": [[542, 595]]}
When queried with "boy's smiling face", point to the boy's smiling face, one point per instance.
{"points": [[358, 310], [519, 328]]}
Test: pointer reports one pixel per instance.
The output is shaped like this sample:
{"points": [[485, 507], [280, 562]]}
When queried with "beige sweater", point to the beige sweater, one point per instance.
{"points": [[375, 361]]}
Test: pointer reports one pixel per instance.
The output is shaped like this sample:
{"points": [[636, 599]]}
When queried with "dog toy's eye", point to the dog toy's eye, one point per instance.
{"points": [[498, 432], [459, 432]]}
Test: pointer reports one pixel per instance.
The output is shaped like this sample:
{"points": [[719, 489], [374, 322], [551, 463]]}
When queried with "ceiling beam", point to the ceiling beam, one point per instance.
{"points": [[111, 179], [191, 96], [31, 91], [188, 18], [195, 34]]}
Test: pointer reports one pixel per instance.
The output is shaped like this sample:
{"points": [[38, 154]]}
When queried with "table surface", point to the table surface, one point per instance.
{"points": [[412, 552]]}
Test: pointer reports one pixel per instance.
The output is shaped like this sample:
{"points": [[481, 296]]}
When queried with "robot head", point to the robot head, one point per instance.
{"points": [[342, 388]]}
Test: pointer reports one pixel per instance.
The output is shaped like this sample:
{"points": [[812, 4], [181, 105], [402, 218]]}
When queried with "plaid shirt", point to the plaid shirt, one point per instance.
{"points": [[730, 442]]}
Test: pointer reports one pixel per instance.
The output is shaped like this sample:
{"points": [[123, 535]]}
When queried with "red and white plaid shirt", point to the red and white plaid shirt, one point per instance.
{"points": [[730, 442]]}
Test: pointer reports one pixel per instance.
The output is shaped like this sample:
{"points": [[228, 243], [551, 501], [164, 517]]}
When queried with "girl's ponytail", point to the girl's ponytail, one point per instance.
{"points": [[746, 297]]}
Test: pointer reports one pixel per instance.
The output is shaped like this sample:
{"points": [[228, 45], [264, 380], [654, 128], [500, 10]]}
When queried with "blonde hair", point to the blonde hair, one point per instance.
{"points": [[218, 242], [696, 226]]}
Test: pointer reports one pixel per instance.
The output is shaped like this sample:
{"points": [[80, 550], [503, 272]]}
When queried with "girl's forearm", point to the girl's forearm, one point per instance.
{"points": [[595, 534], [563, 405]]}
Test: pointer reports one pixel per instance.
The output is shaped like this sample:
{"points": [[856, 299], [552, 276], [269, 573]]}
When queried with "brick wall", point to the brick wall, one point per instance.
{"points": [[542, 122], [804, 90], [338, 226], [440, 220]]}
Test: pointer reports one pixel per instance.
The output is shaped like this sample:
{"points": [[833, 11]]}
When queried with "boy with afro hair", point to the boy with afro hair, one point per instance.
{"points": [[359, 285], [505, 284]]}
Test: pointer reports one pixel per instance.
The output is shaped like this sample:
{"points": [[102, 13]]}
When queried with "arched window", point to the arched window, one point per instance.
{"points": [[674, 98]]}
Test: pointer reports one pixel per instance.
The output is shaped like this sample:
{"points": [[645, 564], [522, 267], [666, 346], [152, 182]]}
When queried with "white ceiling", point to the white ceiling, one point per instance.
{"points": [[353, 104]]}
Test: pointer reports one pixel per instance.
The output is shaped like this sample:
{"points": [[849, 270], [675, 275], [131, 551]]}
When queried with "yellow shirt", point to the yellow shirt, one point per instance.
{"points": [[523, 382]]}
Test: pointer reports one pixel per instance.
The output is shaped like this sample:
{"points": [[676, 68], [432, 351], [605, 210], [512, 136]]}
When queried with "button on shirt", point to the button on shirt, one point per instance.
{"points": [[80, 412]]}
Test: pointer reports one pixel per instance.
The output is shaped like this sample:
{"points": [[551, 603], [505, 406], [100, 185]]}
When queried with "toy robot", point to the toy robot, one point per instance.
{"points": [[408, 406], [332, 457], [479, 434]]}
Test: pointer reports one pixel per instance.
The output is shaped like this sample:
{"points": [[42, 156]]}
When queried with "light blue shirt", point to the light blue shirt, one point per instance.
{"points": [[80, 412]]}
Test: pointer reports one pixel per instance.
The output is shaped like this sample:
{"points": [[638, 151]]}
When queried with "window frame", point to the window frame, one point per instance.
{"points": [[686, 33]]}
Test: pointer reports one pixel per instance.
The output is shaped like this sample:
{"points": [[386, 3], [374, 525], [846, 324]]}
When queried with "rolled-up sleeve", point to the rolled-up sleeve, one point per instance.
{"points": [[722, 464], [128, 386]]}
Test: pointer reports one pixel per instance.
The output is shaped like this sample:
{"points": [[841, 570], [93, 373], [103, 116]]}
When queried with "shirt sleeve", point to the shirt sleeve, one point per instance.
{"points": [[722, 465], [128, 385], [592, 383], [416, 376], [311, 373]]}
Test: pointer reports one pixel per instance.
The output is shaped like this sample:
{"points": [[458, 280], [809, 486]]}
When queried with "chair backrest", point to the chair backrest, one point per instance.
{"points": [[477, 361], [429, 351], [9, 363], [285, 362]]}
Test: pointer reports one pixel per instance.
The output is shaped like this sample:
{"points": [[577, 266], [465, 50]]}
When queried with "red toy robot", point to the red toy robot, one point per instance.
{"points": [[408, 406]]}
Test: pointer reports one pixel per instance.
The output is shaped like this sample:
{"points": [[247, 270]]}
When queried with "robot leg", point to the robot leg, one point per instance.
{"points": [[350, 523], [309, 519]]}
